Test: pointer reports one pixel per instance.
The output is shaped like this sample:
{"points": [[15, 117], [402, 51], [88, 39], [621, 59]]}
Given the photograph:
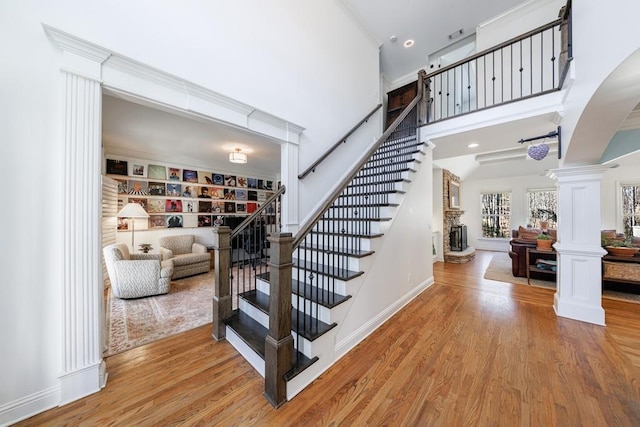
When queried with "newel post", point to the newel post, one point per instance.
{"points": [[423, 104], [222, 290], [279, 342]]}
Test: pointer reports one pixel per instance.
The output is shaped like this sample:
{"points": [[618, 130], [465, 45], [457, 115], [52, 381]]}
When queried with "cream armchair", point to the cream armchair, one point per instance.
{"points": [[188, 257], [136, 275]]}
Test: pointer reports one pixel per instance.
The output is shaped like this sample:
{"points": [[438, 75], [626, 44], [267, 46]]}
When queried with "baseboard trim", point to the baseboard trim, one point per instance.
{"points": [[345, 345], [81, 383], [29, 406]]}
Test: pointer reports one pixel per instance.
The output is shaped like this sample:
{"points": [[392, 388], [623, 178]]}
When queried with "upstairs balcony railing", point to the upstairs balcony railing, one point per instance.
{"points": [[532, 64]]}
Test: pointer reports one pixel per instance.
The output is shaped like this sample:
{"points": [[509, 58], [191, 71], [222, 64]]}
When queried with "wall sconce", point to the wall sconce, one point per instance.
{"points": [[237, 157], [540, 151]]}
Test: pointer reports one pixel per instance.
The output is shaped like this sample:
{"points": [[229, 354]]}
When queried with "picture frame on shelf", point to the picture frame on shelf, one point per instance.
{"points": [[156, 206], [174, 221], [117, 167], [157, 172], [252, 183], [189, 175], [230, 180], [157, 221], [204, 206], [217, 193], [218, 179], [241, 194], [156, 188], [229, 194], [175, 174], [141, 201], [123, 188], [189, 206], [138, 170], [229, 207], [205, 177], [204, 221], [173, 205], [174, 190], [137, 187], [217, 207], [241, 208], [241, 181], [189, 191]]}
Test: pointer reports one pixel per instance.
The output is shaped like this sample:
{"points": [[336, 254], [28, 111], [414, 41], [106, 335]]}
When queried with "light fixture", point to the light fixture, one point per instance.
{"points": [[540, 151], [133, 211], [409, 43], [237, 157], [473, 145]]}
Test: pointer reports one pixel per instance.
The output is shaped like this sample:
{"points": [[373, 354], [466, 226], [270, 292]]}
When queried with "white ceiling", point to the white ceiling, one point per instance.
{"points": [[428, 23]]}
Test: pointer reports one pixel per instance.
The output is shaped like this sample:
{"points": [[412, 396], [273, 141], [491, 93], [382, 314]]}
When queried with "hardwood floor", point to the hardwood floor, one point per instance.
{"points": [[467, 351]]}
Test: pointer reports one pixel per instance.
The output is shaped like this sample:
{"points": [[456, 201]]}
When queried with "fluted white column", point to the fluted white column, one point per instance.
{"points": [[83, 369], [579, 279]]}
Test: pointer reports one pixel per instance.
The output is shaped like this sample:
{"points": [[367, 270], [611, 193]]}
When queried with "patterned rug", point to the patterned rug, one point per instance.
{"points": [[135, 322], [131, 323], [499, 269]]}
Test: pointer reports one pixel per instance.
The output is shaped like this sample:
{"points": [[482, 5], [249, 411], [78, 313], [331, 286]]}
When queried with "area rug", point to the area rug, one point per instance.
{"points": [[499, 269], [135, 322]]}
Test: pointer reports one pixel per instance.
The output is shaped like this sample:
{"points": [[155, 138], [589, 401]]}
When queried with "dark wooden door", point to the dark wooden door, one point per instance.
{"points": [[398, 99]]}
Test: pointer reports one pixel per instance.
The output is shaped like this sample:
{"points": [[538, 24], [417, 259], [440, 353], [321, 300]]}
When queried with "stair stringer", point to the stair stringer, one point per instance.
{"points": [[348, 334]]}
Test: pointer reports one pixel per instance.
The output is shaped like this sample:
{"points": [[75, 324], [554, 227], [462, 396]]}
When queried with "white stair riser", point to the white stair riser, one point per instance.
{"points": [[371, 187], [325, 346], [350, 227], [380, 165], [363, 211], [368, 176], [326, 314], [315, 347], [334, 285], [247, 352], [333, 260], [254, 312], [379, 198]]}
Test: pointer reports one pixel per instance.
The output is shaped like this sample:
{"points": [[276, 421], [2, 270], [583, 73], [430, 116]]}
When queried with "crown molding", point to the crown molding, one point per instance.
{"points": [[123, 75]]}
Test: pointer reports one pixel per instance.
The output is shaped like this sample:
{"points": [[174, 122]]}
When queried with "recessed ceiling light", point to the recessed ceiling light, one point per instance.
{"points": [[473, 145], [409, 43], [393, 38]]}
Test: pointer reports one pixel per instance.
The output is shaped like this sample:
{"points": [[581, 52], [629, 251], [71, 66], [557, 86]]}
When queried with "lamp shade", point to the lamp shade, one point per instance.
{"points": [[133, 210]]}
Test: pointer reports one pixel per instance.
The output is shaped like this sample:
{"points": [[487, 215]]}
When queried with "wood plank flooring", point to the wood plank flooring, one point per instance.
{"points": [[467, 351]]}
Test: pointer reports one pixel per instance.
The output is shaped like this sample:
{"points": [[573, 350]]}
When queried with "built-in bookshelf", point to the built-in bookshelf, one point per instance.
{"points": [[178, 197]]}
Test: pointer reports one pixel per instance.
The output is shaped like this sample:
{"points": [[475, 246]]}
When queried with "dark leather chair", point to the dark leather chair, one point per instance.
{"points": [[518, 255]]}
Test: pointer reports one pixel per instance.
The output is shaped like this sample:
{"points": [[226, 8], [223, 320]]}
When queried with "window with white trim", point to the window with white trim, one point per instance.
{"points": [[542, 204], [630, 208], [496, 215]]}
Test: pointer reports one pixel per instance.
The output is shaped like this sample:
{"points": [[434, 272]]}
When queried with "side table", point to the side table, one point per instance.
{"points": [[212, 251], [533, 255]]}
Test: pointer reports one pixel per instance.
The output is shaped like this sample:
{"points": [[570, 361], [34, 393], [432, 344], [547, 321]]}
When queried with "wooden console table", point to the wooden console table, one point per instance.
{"points": [[621, 269], [533, 255]]}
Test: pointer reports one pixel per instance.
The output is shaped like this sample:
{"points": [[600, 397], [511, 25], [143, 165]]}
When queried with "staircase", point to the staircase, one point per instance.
{"points": [[327, 263]]}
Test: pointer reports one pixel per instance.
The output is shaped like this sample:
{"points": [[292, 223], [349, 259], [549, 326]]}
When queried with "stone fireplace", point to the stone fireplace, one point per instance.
{"points": [[460, 252]]}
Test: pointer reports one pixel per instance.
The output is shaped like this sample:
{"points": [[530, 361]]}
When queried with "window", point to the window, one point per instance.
{"points": [[496, 215], [630, 209], [542, 207]]}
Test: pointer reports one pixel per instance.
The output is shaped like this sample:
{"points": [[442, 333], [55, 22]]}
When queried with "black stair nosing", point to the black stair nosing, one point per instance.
{"points": [[254, 335], [361, 236], [390, 146], [311, 328], [368, 165], [371, 219], [406, 169], [394, 153], [351, 253], [327, 270], [377, 193], [372, 205], [372, 183], [399, 140], [323, 297]]}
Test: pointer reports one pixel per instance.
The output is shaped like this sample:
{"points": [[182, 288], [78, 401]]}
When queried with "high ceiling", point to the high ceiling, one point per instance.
{"points": [[427, 23]]}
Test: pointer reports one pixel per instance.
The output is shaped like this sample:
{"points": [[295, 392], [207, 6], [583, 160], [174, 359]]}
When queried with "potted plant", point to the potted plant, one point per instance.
{"points": [[620, 248], [544, 242], [145, 247], [545, 215]]}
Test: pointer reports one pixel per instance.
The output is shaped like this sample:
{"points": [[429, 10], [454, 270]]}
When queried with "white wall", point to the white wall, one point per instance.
{"points": [[277, 56], [438, 212]]}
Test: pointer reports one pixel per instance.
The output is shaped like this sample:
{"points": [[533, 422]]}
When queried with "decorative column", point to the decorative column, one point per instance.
{"points": [[279, 342], [222, 293], [83, 369], [579, 279]]}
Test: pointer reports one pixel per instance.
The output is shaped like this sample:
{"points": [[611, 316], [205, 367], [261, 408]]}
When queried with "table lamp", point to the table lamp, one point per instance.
{"points": [[133, 211]]}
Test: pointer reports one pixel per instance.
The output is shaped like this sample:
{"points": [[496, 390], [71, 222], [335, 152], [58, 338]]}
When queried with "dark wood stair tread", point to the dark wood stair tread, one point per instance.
{"points": [[309, 328], [323, 297], [254, 335], [353, 253], [327, 270], [349, 219], [359, 235]]}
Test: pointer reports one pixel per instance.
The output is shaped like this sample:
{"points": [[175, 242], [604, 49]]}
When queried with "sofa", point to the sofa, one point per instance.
{"points": [[189, 257], [521, 239], [136, 275]]}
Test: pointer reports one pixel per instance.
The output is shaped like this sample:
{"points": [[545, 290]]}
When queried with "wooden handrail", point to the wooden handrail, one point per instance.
{"points": [[342, 140], [306, 228], [244, 224]]}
